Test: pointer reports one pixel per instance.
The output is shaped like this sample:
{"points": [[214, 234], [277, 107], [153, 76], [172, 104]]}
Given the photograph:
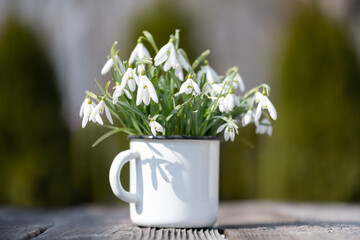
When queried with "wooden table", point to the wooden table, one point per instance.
{"points": [[237, 220]]}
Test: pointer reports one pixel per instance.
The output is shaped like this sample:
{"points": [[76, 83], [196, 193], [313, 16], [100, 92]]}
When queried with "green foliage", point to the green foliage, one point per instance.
{"points": [[314, 153], [34, 141]]}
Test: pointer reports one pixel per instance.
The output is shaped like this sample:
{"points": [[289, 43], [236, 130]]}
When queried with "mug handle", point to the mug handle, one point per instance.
{"points": [[114, 175]]}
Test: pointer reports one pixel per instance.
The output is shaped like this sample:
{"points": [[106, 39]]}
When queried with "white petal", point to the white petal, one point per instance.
{"points": [[140, 93], [196, 87], [143, 52], [135, 76], [95, 111], [146, 96], [211, 75], [152, 91], [132, 85], [179, 73], [127, 93], [221, 128], [232, 135], [167, 65], [98, 119], [161, 56], [200, 75], [108, 115], [134, 54], [125, 77], [153, 131], [107, 67], [240, 81], [226, 134], [172, 56], [183, 62], [121, 65], [87, 112], [159, 128], [184, 87], [269, 130], [84, 103], [271, 108], [258, 111]]}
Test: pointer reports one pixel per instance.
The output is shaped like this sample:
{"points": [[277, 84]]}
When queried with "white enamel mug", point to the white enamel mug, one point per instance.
{"points": [[174, 181]]}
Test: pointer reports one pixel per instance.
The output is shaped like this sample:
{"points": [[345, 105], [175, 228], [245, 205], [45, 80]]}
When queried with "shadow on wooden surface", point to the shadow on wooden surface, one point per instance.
{"points": [[237, 220]]}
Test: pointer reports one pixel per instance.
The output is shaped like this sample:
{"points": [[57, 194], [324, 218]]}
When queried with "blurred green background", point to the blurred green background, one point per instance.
{"points": [[46, 158]]}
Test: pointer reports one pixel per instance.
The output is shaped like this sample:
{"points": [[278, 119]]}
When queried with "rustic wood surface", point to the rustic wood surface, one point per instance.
{"points": [[236, 220]]}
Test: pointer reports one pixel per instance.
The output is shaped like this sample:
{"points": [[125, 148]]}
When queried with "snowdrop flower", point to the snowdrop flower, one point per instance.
{"points": [[227, 104], [211, 76], [166, 54], [85, 112], [248, 117], [181, 64], [229, 101], [264, 103], [110, 63], [99, 109], [146, 90], [155, 127], [139, 51], [119, 90], [184, 64], [130, 78], [229, 132], [264, 127], [179, 72], [189, 86], [239, 83], [217, 88]]}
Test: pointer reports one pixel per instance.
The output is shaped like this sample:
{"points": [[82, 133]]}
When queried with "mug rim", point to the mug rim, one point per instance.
{"points": [[174, 137]]}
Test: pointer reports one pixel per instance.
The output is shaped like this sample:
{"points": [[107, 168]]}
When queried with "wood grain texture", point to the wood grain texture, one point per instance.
{"points": [[236, 220]]}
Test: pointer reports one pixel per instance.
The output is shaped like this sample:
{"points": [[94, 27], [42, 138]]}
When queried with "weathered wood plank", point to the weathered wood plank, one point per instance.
{"points": [[237, 220]]}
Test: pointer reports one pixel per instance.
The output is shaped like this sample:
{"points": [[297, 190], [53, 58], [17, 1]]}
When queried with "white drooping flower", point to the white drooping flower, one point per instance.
{"points": [[211, 76], [155, 127], [181, 64], [179, 71], [218, 88], [130, 78], [145, 91], [227, 104], [181, 59], [110, 63], [229, 132], [166, 54], [229, 101], [264, 127], [99, 109], [189, 86], [248, 117], [119, 90], [139, 51], [238, 82], [85, 112], [264, 103]]}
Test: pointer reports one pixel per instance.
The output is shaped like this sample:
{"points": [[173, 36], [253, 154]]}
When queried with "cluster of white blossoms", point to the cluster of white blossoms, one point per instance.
{"points": [[217, 98]]}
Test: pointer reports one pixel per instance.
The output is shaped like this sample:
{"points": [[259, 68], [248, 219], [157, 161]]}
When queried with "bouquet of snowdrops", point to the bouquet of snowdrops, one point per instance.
{"points": [[154, 96]]}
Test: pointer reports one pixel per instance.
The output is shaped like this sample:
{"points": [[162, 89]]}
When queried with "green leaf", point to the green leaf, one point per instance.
{"points": [[151, 40], [200, 58], [108, 134], [98, 85], [177, 109], [113, 48], [91, 94]]}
